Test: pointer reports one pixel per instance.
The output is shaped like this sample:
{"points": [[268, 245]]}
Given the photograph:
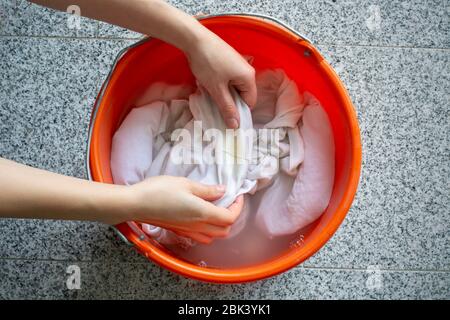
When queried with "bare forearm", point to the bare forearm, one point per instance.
{"points": [[214, 63], [151, 17], [27, 192]]}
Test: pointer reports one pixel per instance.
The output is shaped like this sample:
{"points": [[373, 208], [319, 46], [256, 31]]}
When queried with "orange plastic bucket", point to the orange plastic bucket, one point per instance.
{"points": [[273, 45]]}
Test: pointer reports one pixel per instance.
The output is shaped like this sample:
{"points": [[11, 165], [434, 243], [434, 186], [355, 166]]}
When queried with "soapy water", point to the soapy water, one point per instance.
{"points": [[202, 264], [250, 247]]}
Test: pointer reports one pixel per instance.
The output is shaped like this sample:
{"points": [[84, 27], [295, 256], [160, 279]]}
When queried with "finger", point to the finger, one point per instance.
{"points": [[215, 231], [249, 59], [207, 229], [247, 88], [208, 214], [236, 207], [222, 216], [193, 226], [199, 237], [248, 93], [199, 15], [227, 107], [207, 192]]}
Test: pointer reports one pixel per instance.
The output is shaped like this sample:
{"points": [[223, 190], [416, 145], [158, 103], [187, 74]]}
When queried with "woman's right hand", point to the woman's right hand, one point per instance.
{"points": [[217, 67], [183, 206]]}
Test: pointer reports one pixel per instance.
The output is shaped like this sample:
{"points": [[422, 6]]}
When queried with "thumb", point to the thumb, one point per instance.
{"points": [[207, 192], [226, 105]]}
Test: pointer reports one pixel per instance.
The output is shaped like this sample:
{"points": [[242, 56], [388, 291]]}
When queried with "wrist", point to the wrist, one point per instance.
{"points": [[144, 201], [114, 204], [177, 27], [196, 40], [138, 202]]}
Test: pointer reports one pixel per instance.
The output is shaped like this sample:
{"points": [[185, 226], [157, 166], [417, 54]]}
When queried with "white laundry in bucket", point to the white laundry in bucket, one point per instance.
{"points": [[288, 160]]}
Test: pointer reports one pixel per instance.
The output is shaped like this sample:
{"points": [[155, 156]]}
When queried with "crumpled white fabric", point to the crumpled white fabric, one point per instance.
{"points": [[307, 196], [293, 160]]}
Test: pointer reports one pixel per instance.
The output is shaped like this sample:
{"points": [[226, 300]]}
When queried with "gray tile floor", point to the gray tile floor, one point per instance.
{"points": [[394, 57]]}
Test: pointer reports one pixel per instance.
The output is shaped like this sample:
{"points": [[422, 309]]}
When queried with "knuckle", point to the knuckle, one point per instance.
{"points": [[229, 219], [228, 109], [251, 71], [206, 240], [224, 233], [211, 190]]}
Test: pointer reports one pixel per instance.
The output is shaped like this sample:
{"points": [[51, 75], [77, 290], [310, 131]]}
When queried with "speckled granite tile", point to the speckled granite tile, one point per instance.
{"points": [[299, 283], [380, 22], [7, 17], [400, 217], [110, 31], [29, 19], [106, 30], [105, 53], [47, 89], [29, 279], [63, 240], [386, 23], [192, 7]]}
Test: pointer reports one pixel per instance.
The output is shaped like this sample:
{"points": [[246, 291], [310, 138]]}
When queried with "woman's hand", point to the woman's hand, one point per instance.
{"points": [[175, 203], [182, 206], [217, 66], [214, 63]]}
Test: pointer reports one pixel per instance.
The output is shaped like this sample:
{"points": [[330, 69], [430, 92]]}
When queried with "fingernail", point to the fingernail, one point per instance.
{"points": [[232, 123], [221, 188]]}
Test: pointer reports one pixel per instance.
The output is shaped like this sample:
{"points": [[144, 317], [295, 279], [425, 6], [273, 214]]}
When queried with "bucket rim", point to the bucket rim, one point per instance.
{"points": [[132, 235]]}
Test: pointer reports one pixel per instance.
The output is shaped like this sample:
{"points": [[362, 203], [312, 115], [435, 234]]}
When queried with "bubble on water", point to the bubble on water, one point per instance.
{"points": [[297, 242], [202, 264]]}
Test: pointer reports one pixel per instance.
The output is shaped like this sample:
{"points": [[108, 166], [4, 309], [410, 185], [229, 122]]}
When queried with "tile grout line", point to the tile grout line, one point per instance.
{"points": [[299, 267], [70, 37], [97, 37], [381, 269], [381, 46]]}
